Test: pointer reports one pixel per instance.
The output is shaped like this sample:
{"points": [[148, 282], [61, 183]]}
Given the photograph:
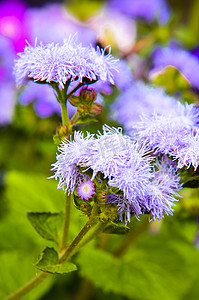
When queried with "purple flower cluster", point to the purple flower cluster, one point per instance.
{"points": [[184, 61], [60, 63], [141, 99], [174, 133], [126, 165]]}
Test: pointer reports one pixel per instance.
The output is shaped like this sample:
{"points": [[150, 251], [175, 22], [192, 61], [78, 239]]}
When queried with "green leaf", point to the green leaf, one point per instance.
{"points": [[49, 256], [48, 225], [116, 228], [171, 79], [49, 262], [146, 270]]}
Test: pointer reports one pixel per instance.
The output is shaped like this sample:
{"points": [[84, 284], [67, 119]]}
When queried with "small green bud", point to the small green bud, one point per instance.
{"points": [[61, 132]]}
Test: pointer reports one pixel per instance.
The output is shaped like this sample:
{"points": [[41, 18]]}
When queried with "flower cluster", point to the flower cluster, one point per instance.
{"points": [[125, 165], [141, 99], [175, 133], [60, 63]]}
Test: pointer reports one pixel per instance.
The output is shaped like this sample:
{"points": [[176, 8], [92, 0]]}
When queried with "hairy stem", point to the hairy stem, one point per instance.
{"points": [[66, 222]]}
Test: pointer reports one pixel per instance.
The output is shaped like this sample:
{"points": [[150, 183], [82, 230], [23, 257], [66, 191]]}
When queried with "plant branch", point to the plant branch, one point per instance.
{"points": [[70, 250], [66, 222]]}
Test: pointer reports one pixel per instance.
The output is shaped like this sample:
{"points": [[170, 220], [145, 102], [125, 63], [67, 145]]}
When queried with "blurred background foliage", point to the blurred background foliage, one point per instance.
{"points": [[162, 261]]}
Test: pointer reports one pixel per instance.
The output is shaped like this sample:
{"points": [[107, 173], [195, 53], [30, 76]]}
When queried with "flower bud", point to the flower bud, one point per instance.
{"points": [[96, 109], [74, 100], [88, 96], [82, 109], [61, 132]]}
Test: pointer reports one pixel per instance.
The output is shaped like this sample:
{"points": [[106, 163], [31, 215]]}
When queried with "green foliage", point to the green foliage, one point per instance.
{"points": [[19, 243], [160, 266], [171, 79], [49, 262], [48, 225]]}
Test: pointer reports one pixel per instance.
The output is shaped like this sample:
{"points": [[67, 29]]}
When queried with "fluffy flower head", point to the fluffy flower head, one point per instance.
{"points": [[141, 99], [59, 63]]}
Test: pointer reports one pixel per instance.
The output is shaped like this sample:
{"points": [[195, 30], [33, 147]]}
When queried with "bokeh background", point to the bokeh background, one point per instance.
{"points": [[162, 260]]}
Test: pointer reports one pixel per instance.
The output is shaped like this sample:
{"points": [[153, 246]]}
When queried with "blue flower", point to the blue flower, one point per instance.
{"points": [[174, 133], [188, 154], [60, 63], [157, 200], [181, 59], [127, 167], [141, 99]]}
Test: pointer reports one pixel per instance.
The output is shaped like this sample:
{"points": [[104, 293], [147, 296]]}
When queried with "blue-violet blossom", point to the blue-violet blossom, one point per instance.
{"points": [[60, 63], [125, 164]]}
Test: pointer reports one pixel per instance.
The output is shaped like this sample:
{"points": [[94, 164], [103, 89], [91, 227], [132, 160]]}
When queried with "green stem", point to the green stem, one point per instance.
{"points": [[62, 99], [66, 222], [33, 283], [74, 118], [99, 227], [64, 114], [91, 221]]}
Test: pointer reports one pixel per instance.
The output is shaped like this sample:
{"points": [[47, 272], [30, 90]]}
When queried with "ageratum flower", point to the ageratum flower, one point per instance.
{"points": [[141, 99], [124, 164], [174, 133], [181, 59], [60, 63], [86, 189], [158, 199], [188, 154]]}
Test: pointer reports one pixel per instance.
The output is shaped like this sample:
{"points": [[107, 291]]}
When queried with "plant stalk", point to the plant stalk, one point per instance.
{"points": [[66, 222]]}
